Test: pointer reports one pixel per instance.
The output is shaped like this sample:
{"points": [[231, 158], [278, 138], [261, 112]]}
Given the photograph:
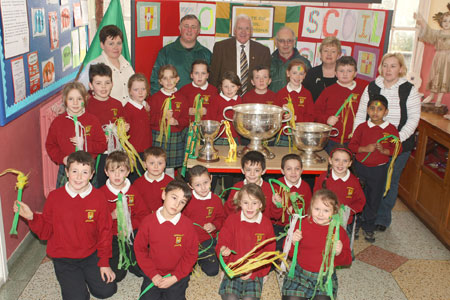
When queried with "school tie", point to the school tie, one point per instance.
{"points": [[244, 71]]}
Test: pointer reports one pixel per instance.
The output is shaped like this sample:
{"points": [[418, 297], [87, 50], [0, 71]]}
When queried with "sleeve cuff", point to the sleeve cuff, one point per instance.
{"points": [[103, 262]]}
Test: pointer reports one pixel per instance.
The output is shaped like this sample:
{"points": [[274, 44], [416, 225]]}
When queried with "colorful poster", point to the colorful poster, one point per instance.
{"points": [[312, 22], [307, 50], [48, 71], [363, 27], [83, 42], [18, 78], [332, 22], [53, 28], [262, 19], [33, 72], [84, 12], [66, 56], [376, 33], [349, 21], [15, 27], [75, 48], [367, 62], [77, 19], [346, 50], [207, 41], [38, 21], [65, 18], [148, 18], [206, 13]]}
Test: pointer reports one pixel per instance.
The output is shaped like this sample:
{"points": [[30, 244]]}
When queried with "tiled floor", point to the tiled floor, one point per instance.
{"points": [[406, 262]]}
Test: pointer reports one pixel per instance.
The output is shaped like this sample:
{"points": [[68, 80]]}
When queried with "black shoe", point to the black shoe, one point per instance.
{"points": [[380, 228], [369, 236]]}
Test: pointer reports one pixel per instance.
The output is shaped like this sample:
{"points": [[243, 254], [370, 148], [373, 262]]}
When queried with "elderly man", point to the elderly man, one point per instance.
{"points": [[181, 53], [285, 53], [238, 54]]}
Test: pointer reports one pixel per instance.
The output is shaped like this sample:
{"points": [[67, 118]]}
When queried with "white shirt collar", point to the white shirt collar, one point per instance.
{"points": [[197, 196], [161, 219], [238, 45], [382, 125], [228, 98], [344, 179], [203, 88], [290, 89], [152, 180], [74, 194], [135, 104], [168, 93], [260, 182], [351, 87], [115, 191], [291, 185], [258, 219]]}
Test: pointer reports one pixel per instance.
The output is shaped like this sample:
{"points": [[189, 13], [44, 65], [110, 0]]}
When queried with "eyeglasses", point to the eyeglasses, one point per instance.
{"points": [[285, 41]]}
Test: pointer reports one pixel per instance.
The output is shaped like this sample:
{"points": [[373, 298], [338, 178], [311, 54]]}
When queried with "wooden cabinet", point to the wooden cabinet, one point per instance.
{"points": [[425, 182]]}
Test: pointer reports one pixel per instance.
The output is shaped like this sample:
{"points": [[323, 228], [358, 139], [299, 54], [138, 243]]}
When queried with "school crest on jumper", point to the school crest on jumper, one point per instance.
{"points": [[206, 99], [210, 211], [350, 191], [385, 134], [301, 101], [269, 102], [114, 111], [130, 200], [90, 214], [178, 238], [259, 237], [88, 130], [177, 106]]}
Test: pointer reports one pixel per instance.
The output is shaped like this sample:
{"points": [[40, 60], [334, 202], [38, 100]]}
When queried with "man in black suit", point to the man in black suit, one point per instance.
{"points": [[234, 53]]}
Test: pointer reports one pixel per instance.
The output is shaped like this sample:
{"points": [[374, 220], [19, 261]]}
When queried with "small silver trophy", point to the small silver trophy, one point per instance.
{"points": [[209, 130]]}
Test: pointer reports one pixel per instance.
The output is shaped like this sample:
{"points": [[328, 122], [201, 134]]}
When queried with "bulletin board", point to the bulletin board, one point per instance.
{"points": [[364, 33], [52, 44]]}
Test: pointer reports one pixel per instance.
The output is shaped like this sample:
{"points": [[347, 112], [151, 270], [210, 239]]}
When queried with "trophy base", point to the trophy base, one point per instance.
{"points": [[264, 150], [208, 160], [310, 158]]}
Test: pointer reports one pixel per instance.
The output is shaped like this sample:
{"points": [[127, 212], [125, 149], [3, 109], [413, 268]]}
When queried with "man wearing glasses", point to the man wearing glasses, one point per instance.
{"points": [[181, 53], [286, 52]]}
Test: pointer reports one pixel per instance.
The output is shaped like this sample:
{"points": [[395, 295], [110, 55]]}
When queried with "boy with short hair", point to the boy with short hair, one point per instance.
{"points": [[372, 158], [123, 200], [154, 180], [167, 244], [253, 166], [260, 78], [333, 97], [106, 108], [77, 226]]}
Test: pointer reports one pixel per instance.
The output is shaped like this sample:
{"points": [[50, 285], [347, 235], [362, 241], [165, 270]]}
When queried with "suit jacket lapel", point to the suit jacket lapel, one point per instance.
{"points": [[233, 50]]}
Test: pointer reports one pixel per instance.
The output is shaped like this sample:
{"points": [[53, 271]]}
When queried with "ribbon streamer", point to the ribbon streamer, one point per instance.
{"points": [[22, 180], [128, 147], [150, 286], [232, 153], [191, 144], [164, 126], [347, 105], [80, 132]]}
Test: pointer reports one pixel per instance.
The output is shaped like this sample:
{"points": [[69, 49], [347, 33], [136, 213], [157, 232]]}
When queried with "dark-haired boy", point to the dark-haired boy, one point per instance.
{"points": [[260, 79], [166, 244], [334, 96], [372, 169], [77, 226]]}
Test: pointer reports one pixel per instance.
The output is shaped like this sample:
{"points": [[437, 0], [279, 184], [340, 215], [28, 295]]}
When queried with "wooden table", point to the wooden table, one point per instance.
{"points": [[273, 166]]}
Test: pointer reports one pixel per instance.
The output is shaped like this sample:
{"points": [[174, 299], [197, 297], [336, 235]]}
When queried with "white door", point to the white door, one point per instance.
{"points": [[3, 260]]}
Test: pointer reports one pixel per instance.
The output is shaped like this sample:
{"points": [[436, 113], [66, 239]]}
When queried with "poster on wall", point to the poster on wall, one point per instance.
{"points": [[66, 56], [148, 18], [367, 61], [48, 71], [262, 19], [77, 19], [206, 13], [18, 77], [307, 50], [83, 41], [75, 48], [33, 72], [38, 22], [53, 29], [15, 27], [65, 18]]}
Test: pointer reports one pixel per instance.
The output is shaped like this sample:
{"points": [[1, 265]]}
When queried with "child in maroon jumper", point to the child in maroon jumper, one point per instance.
{"points": [[260, 78], [76, 224], [302, 100], [334, 96], [372, 169], [74, 130], [154, 181], [206, 210], [167, 244], [137, 114], [133, 209], [241, 232], [199, 85], [312, 239], [104, 107]]}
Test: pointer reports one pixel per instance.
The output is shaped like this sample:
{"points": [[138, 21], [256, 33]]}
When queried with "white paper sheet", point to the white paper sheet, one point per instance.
{"points": [[15, 27], [18, 76]]}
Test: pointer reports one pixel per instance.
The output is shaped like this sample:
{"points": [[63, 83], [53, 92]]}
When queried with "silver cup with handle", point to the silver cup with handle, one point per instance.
{"points": [[209, 131]]}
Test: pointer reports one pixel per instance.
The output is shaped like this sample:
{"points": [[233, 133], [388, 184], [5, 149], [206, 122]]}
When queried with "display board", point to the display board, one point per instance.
{"points": [[42, 45], [364, 33]]}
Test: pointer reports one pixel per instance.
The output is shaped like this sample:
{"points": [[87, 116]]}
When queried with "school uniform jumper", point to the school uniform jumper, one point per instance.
{"points": [[207, 92], [151, 190], [253, 97]]}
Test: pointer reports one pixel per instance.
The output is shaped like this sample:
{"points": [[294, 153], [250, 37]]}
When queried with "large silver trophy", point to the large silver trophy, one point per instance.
{"points": [[310, 138], [257, 122], [209, 130]]}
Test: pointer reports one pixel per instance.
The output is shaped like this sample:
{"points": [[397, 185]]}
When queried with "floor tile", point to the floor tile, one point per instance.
{"points": [[360, 244], [424, 279], [365, 282], [380, 258], [400, 206]]}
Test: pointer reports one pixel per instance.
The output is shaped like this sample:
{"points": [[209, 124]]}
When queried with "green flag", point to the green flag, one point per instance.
{"points": [[113, 16]]}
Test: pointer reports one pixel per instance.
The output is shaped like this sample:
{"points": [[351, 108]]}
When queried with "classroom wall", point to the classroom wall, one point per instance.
{"points": [[21, 150]]}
